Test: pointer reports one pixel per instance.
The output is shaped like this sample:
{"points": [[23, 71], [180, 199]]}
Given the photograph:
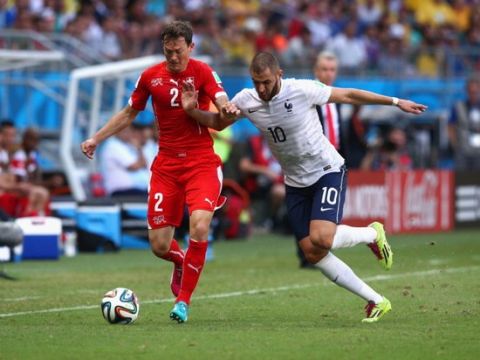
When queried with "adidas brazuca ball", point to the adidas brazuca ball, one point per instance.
{"points": [[120, 306]]}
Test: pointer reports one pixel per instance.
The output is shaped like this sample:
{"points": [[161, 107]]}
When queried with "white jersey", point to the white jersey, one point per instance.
{"points": [[290, 123]]}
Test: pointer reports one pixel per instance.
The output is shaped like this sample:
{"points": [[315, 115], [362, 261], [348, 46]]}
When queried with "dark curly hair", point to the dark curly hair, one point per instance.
{"points": [[177, 29]]}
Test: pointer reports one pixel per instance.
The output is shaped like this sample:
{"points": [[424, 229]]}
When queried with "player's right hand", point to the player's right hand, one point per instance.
{"points": [[88, 147], [411, 107], [189, 96]]}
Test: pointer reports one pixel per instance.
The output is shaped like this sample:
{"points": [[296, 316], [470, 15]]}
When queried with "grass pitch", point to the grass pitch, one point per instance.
{"points": [[252, 303]]}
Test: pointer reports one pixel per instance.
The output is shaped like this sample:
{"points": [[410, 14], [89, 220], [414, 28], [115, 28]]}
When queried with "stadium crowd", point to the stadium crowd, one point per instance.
{"points": [[391, 37]]}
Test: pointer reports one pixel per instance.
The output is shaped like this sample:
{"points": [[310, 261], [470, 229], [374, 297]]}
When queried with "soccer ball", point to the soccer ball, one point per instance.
{"points": [[120, 306]]}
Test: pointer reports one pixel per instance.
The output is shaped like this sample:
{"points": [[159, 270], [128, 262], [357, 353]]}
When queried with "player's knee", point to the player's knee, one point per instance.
{"points": [[322, 239], [199, 230], [313, 254], [311, 257], [159, 246]]}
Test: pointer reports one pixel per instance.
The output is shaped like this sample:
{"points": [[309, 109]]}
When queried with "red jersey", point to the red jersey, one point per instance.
{"points": [[178, 131]]}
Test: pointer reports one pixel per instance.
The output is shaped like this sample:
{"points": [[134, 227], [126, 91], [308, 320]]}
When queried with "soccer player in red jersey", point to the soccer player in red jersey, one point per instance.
{"points": [[186, 169]]}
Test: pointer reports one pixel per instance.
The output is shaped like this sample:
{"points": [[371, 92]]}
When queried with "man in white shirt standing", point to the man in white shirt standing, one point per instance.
{"points": [[315, 175], [125, 171]]}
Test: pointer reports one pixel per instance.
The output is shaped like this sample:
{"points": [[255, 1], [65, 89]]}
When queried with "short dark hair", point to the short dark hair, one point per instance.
{"points": [[177, 29], [5, 123], [262, 61]]}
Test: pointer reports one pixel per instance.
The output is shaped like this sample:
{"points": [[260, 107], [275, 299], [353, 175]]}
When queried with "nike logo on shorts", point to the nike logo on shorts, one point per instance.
{"points": [[325, 209]]}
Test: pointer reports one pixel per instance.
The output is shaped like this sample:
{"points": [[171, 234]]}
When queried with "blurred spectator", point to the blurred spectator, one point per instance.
{"points": [[369, 12], [338, 18], [372, 47], [389, 153], [123, 164], [464, 127], [111, 44], [90, 30], [264, 180], [20, 9], [299, 51], [9, 137], [6, 16], [429, 60], [392, 60], [62, 14], [317, 21], [330, 116], [44, 22], [147, 140], [207, 39], [23, 194], [4, 156], [238, 45], [434, 13], [462, 13], [24, 162], [349, 48], [346, 135], [230, 32]]}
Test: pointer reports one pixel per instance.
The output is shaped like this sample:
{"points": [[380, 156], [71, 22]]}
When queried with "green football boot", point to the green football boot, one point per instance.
{"points": [[376, 311], [380, 247]]}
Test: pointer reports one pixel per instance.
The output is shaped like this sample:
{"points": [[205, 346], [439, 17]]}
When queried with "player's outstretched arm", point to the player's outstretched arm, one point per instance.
{"points": [[217, 121], [362, 97], [117, 123]]}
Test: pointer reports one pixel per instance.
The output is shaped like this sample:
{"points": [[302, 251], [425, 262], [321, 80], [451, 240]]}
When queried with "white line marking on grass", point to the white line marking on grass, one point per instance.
{"points": [[23, 298], [253, 291]]}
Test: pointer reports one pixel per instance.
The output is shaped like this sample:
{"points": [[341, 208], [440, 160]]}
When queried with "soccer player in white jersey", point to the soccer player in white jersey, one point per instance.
{"points": [[315, 175]]}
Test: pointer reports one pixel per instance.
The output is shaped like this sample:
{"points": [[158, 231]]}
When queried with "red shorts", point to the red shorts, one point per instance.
{"points": [[9, 203], [182, 178]]}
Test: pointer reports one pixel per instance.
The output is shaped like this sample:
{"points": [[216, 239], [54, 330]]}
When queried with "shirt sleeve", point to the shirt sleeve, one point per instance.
{"points": [[141, 93], [212, 84], [240, 101], [316, 92], [115, 152]]}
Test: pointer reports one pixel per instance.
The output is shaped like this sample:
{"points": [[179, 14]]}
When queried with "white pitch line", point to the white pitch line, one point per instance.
{"points": [[23, 298], [253, 291]]}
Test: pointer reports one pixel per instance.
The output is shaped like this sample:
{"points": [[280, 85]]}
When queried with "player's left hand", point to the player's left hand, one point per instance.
{"points": [[189, 96], [411, 107], [230, 111]]}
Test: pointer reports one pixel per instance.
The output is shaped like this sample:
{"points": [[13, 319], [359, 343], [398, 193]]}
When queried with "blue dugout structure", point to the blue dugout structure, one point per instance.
{"points": [[27, 106]]}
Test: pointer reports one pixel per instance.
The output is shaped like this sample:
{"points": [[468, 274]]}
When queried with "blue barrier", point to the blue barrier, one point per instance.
{"points": [[30, 107]]}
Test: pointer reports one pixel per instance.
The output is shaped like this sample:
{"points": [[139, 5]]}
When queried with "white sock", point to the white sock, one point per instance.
{"points": [[348, 236], [339, 272]]}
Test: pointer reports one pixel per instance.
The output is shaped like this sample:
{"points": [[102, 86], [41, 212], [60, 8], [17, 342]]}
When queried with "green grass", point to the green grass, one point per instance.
{"points": [[436, 314]]}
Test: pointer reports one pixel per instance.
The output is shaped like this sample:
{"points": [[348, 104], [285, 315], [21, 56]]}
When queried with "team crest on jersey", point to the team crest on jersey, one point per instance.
{"points": [[156, 82], [159, 219], [190, 80], [288, 105]]}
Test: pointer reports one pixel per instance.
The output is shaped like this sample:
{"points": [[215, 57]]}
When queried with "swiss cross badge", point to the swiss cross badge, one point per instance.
{"points": [[157, 82], [159, 219]]}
